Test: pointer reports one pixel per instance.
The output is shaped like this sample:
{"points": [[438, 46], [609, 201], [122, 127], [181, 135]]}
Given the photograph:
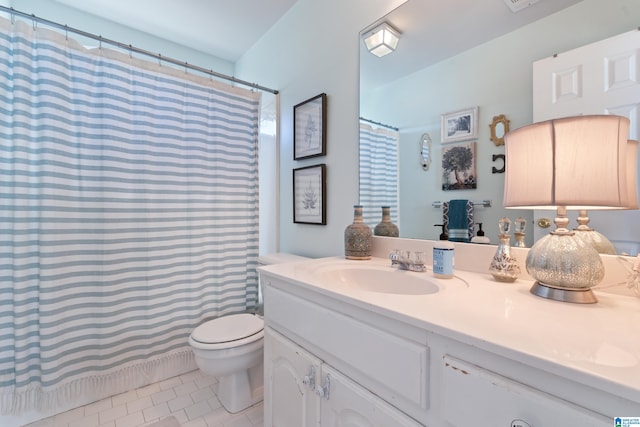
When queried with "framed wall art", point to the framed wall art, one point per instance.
{"points": [[310, 128], [459, 167], [310, 195], [459, 125]]}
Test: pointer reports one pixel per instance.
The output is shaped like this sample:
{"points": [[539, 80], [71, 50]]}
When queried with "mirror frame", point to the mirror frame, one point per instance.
{"points": [[501, 119]]}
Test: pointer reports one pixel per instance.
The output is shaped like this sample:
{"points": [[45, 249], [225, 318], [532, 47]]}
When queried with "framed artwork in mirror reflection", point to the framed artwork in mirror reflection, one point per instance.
{"points": [[459, 167], [310, 128], [310, 195], [459, 125]]}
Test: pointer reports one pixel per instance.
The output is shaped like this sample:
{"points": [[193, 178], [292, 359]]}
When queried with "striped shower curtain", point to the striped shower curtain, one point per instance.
{"points": [[128, 215], [378, 172]]}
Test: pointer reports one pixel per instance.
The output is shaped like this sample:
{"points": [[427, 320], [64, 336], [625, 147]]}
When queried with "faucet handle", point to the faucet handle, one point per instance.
{"points": [[417, 258]]}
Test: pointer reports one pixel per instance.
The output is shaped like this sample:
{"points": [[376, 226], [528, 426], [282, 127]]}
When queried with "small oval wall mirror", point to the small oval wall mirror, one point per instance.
{"points": [[425, 151], [499, 127]]}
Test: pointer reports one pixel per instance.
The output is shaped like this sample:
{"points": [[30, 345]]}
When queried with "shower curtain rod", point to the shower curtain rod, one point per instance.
{"points": [[379, 124], [130, 48]]}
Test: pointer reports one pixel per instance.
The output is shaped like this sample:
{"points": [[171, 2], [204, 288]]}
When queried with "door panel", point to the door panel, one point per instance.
{"points": [[600, 78], [289, 402], [350, 405]]}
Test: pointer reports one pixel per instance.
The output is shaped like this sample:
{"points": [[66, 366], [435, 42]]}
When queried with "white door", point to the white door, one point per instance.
{"points": [[348, 404], [600, 78], [290, 376]]}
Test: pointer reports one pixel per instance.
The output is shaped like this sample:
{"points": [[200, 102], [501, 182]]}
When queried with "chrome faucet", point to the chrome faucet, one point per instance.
{"points": [[407, 260]]}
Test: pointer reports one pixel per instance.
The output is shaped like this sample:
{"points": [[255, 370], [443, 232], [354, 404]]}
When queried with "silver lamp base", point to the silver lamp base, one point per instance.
{"points": [[574, 295]]}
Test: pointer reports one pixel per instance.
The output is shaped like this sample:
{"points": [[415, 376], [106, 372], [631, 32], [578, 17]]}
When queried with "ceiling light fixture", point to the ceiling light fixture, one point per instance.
{"points": [[382, 40], [518, 5]]}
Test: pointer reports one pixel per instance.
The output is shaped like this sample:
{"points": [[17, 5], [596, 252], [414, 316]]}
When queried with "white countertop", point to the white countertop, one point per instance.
{"points": [[599, 343]]}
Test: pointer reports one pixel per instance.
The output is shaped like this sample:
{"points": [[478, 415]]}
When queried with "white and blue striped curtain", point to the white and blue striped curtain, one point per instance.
{"points": [[129, 215], [378, 172]]}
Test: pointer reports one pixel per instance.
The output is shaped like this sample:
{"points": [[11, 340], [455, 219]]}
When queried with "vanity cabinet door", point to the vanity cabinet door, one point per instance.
{"points": [[290, 378], [348, 404]]}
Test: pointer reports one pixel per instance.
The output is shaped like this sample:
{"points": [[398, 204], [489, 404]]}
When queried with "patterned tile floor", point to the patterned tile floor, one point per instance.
{"points": [[190, 398]]}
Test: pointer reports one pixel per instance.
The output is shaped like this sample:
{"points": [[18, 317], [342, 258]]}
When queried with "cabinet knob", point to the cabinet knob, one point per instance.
{"points": [[323, 390], [310, 378]]}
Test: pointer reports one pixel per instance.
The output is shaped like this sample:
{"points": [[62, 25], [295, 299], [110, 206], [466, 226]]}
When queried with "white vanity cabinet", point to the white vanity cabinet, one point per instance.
{"points": [[371, 371], [477, 352], [301, 391]]}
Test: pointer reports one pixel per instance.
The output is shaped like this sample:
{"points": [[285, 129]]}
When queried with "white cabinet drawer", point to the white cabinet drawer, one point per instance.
{"points": [[390, 366], [475, 396]]}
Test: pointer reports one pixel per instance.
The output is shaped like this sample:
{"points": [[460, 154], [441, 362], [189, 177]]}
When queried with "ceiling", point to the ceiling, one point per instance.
{"points": [[435, 30], [222, 28], [432, 30]]}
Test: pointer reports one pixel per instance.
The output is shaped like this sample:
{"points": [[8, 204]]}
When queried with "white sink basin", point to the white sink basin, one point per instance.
{"points": [[379, 279]]}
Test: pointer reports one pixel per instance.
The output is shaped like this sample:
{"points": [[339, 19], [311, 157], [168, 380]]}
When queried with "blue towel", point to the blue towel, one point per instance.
{"points": [[458, 220]]}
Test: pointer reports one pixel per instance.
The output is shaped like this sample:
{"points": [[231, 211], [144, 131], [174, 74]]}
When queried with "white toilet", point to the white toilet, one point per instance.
{"points": [[231, 349]]}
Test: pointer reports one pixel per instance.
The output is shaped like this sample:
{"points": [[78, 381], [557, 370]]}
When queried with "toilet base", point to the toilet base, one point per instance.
{"points": [[241, 390]]}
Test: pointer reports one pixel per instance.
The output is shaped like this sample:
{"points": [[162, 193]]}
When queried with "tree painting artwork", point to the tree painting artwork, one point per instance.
{"points": [[459, 167]]}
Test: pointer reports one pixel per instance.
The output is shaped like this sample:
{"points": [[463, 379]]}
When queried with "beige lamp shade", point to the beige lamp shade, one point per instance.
{"points": [[632, 179], [575, 162]]}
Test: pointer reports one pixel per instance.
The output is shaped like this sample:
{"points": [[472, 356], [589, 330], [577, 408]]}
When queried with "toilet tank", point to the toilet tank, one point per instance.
{"points": [[279, 258], [271, 259]]}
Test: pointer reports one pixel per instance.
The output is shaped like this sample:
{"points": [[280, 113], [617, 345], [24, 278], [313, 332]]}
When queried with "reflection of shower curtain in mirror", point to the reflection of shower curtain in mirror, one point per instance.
{"points": [[378, 172]]}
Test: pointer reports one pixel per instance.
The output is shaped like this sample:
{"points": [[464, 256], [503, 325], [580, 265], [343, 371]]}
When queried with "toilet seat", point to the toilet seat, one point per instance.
{"points": [[229, 331]]}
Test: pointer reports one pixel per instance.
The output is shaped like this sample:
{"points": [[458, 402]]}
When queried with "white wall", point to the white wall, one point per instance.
{"points": [[497, 77], [311, 50]]}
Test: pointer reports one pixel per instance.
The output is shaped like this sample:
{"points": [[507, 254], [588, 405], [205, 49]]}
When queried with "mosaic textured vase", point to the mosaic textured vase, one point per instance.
{"points": [[386, 227], [358, 238]]}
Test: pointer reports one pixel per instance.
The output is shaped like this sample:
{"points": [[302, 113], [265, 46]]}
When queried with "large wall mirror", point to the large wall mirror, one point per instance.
{"points": [[459, 55]]}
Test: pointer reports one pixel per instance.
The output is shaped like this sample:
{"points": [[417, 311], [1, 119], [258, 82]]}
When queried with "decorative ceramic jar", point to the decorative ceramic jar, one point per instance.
{"points": [[358, 238], [386, 227], [504, 267]]}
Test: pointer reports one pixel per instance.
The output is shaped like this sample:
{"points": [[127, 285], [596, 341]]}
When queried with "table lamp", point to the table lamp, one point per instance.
{"points": [[572, 163], [593, 237]]}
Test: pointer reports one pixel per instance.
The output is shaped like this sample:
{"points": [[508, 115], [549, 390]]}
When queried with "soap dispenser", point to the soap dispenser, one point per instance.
{"points": [[480, 237], [443, 235]]}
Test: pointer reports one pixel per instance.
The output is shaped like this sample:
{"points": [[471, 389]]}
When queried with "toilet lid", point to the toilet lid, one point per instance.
{"points": [[228, 328]]}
